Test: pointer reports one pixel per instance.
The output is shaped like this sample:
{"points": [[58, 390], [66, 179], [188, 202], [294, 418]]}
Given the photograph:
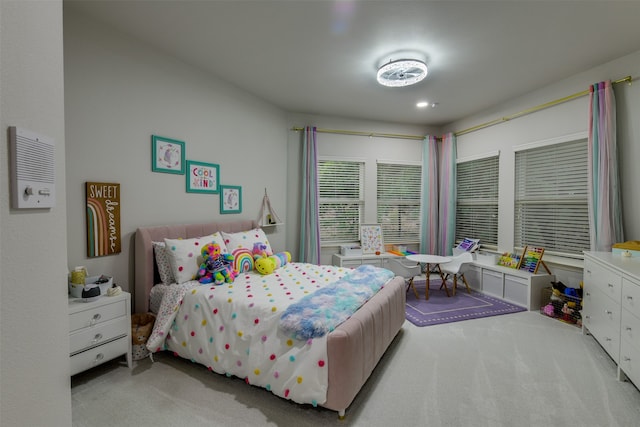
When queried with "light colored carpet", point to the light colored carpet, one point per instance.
{"points": [[519, 369]]}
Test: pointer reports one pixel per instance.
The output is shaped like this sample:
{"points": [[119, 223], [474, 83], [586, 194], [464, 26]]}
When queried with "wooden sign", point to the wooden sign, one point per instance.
{"points": [[103, 218]]}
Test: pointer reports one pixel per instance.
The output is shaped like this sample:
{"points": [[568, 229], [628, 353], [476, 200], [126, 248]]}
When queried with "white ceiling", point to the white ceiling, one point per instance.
{"points": [[321, 56]]}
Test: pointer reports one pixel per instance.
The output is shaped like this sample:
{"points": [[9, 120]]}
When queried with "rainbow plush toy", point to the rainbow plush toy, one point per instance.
{"points": [[268, 264], [242, 260], [216, 267]]}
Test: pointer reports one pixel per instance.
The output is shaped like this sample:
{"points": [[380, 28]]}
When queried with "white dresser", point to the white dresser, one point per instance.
{"points": [[353, 261], [611, 308], [99, 331]]}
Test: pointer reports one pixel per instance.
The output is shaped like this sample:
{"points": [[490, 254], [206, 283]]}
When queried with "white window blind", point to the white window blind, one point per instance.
{"points": [[341, 200], [477, 200], [551, 198], [399, 190]]}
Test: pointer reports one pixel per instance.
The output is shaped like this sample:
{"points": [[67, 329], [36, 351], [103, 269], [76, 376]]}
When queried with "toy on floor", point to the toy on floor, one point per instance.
{"points": [[216, 267]]}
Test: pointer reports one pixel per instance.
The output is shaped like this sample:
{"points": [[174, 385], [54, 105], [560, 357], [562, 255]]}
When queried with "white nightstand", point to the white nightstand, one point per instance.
{"points": [[99, 331]]}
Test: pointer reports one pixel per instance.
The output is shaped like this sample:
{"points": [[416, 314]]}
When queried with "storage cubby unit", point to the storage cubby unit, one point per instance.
{"points": [[519, 287]]}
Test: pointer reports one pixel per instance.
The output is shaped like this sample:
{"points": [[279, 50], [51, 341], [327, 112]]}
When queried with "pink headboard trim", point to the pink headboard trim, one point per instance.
{"points": [[144, 259]]}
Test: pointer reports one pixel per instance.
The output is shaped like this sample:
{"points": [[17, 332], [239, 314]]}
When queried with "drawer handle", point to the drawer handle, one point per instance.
{"points": [[588, 294], [608, 312], [97, 338], [629, 297], [628, 328], [95, 318], [99, 357], [589, 271], [610, 285], [607, 339], [626, 359]]}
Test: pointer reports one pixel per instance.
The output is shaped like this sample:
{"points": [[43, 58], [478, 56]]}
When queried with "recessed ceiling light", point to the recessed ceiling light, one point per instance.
{"points": [[422, 104]]}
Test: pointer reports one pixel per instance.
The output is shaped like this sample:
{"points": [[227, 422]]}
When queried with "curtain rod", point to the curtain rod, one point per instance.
{"points": [[473, 128], [534, 109], [369, 134]]}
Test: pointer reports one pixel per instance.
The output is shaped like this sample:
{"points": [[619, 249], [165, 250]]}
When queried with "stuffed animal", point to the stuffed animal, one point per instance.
{"points": [[216, 267], [260, 250], [268, 264]]}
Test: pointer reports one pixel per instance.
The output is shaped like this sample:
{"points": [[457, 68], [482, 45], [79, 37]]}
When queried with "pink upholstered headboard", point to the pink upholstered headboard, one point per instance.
{"points": [[145, 260]]}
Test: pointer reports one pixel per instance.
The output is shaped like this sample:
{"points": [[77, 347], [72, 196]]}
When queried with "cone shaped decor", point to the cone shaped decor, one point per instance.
{"points": [[268, 215]]}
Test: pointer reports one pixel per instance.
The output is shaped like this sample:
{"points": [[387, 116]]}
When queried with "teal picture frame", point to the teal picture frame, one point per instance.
{"points": [[230, 199], [167, 155], [203, 177]]}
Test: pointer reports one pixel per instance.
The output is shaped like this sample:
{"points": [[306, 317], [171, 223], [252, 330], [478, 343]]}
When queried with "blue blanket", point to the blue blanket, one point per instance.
{"points": [[321, 312]]}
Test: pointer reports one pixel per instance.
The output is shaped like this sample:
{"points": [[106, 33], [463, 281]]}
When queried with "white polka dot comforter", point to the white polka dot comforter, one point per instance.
{"points": [[233, 329]]}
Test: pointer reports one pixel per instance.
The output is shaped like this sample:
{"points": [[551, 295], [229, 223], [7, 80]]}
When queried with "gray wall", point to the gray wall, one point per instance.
{"points": [[556, 122], [118, 92], [34, 337]]}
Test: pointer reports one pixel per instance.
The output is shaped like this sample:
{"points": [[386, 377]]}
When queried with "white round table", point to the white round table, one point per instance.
{"points": [[431, 260]]}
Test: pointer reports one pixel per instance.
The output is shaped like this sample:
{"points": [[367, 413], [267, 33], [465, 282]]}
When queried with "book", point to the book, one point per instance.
{"points": [[510, 260], [468, 245]]}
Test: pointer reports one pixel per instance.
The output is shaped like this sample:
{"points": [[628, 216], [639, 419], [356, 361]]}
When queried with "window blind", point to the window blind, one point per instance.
{"points": [[551, 202], [477, 200], [398, 210], [340, 200]]}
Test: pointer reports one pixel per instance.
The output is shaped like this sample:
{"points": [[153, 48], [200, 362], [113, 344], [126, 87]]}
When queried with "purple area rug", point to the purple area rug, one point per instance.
{"points": [[442, 309]]}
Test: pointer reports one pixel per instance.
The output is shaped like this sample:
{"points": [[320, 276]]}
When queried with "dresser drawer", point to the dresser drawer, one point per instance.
{"points": [[602, 318], [630, 327], [97, 355], [98, 314], [100, 333], [609, 282], [630, 361], [631, 296]]}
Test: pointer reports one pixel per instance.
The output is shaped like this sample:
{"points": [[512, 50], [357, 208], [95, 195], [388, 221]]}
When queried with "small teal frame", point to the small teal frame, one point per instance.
{"points": [[167, 155], [230, 199]]}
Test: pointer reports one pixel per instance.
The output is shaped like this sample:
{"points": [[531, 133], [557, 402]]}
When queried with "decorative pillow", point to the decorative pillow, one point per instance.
{"points": [[184, 255], [163, 263], [246, 240], [242, 260]]}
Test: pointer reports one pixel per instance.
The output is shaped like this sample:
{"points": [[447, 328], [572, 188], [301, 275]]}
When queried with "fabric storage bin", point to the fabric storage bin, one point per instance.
{"points": [[141, 327]]}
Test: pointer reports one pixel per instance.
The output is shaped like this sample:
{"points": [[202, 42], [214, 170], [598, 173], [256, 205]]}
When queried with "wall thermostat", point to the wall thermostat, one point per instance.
{"points": [[32, 169]]}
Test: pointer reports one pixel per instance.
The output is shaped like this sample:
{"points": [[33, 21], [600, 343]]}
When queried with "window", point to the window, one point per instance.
{"points": [[399, 190], [477, 200], [341, 200], [551, 208]]}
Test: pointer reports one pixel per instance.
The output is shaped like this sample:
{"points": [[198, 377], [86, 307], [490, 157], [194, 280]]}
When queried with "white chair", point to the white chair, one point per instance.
{"points": [[406, 271], [455, 269]]}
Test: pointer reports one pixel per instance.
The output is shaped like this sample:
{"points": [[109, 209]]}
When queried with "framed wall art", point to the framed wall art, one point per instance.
{"points": [[103, 218], [371, 238], [167, 155], [203, 177], [230, 199]]}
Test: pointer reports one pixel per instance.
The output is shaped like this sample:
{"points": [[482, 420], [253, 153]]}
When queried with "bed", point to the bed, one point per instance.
{"points": [[348, 353]]}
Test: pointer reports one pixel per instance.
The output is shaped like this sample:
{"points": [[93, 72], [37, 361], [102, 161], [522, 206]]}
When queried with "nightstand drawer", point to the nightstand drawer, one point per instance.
{"points": [[96, 335], [98, 314], [97, 355]]}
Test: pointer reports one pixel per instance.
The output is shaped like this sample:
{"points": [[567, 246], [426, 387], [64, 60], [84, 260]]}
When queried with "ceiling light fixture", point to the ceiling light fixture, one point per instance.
{"points": [[402, 72]]}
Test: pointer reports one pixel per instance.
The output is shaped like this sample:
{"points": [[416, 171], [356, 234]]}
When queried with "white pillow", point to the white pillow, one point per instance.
{"points": [[246, 240], [184, 255], [163, 263]]}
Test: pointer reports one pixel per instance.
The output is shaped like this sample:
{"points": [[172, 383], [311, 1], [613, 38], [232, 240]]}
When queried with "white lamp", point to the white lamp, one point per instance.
{"points": [[402, 72]]}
